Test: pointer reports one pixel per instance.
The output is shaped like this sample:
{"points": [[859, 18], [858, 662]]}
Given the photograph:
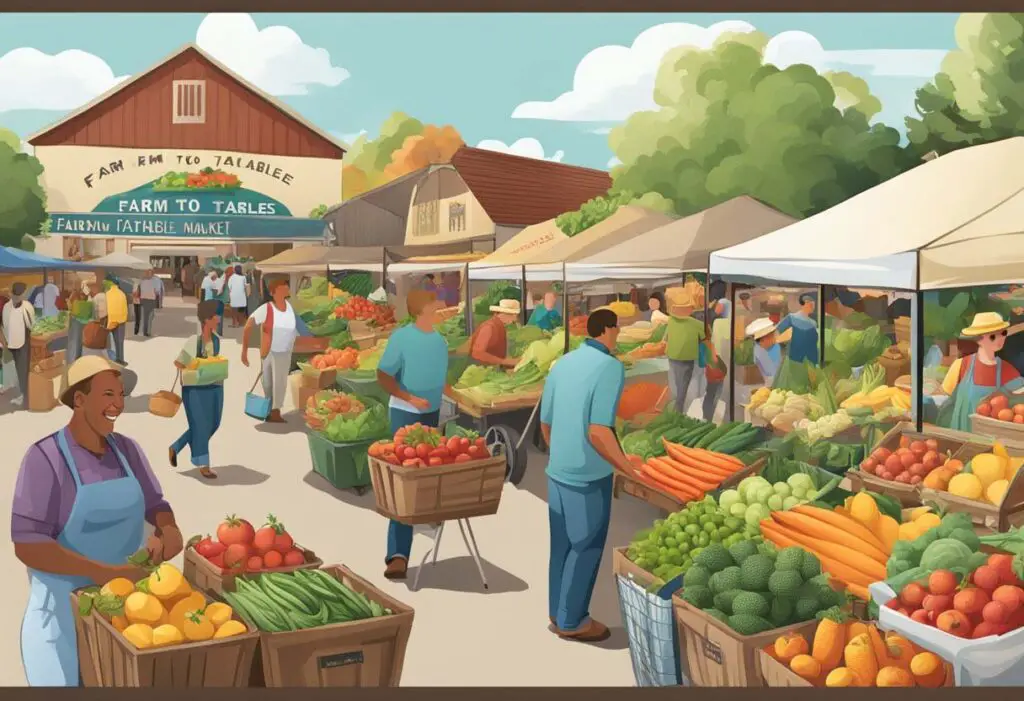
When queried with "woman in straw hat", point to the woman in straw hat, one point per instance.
{"points": [[973, 378], [767, 354], [82, 500], [490, 341]]}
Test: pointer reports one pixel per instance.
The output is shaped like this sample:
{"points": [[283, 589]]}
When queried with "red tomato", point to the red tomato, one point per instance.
{"points": [[218, 561], [236, 556], [235, 530], [463, 457], [454, 446], [436, 462], [273, 559], [208, 547], [391, 459], [411, 462], [283, 542], [480, 442], [294, 558], [254, 563], [264, 539], [475, 452], [464, 445], [423, 451], [440, 453]]}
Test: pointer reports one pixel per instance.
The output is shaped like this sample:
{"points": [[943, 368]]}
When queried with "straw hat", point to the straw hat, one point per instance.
{"points": [[83, 369], [508, 306], [984, 324], [759, 328]]}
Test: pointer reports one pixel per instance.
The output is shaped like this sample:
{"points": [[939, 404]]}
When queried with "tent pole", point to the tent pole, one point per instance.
{"points": [[917, 359], [732, 353], [522, 296], [565, 307], [821, 326], [467, 294]]}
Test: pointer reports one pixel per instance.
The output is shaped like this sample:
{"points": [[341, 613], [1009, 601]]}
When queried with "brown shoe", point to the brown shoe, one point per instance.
{"points": [[172, 457], [275, 417], [207, 473], [589, 632], [396, 569]]}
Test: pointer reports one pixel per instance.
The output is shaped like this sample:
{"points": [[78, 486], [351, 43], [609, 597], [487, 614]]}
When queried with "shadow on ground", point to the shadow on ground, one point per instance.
{"points": [[460, 573], [348, 496], [229, 476]]}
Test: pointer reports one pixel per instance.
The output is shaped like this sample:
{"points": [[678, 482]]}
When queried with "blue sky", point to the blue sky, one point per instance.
{"points": [[347, 73]]}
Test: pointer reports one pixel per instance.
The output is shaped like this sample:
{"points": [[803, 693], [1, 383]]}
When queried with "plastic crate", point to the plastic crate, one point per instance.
{"points": [[653, 638], [344, 465]]}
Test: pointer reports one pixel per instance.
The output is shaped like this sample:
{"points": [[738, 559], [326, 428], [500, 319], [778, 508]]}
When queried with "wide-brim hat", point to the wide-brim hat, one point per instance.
{"points": [[759, 328], [508, 306], [984, 324], [85, 368]]}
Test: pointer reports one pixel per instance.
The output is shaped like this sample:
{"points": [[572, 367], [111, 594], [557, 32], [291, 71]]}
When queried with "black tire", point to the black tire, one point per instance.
{"points": [[505, 439]]}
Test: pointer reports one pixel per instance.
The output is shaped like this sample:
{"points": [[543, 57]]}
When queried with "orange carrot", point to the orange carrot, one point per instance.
{"points": [[674, 493], [868, 569], [728, 461], [676, 471], [843, 521], [677, 451], [662, 478], [834, 568], [684, 458], [813, 528], [709, 481]]}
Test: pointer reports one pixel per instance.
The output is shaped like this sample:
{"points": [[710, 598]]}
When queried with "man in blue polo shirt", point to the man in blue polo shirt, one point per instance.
{"points": [[414, 371], [804, 343], [581, 399]]}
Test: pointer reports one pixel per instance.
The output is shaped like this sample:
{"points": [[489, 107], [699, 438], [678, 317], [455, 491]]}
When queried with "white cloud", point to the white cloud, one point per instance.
{"points": [[28, 148], [33, 80], [601, 131], [528, 147], [612, 82], [614, 161], [274, 58]]}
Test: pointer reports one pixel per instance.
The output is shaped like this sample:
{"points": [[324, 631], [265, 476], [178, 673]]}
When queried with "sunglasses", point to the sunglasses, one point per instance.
{"points": [[994, 336]]}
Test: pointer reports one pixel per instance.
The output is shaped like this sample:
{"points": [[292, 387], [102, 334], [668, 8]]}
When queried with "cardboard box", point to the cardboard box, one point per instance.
{"points": [[44, 389], [319, 379]]}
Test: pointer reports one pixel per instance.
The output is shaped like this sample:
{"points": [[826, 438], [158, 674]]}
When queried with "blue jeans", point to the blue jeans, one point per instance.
{"points": [[204, 407], [579, 518], [400, 534]]}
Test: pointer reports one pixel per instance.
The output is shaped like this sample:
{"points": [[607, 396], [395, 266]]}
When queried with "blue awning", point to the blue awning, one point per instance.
{"points": [[16, 259]]}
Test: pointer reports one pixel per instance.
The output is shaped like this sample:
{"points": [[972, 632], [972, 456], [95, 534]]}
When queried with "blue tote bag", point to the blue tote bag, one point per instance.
{"points": [[256, 405]]}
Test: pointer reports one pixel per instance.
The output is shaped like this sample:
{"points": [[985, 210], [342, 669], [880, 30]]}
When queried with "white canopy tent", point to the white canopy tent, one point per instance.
{"points": [[955, 221], [120, 263]]}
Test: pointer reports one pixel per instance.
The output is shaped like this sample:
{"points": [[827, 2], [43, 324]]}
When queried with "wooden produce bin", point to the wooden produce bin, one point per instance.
{"points": [[632, 485], [999, 517], [716, 655], [107, 659], [907, 494], [204, 576], [777, 674], [1006, 432], [367, 653], [416, 495]]}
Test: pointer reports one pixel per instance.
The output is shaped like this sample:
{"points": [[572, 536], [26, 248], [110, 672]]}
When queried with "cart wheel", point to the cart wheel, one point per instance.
{"points": [[504, 439]]}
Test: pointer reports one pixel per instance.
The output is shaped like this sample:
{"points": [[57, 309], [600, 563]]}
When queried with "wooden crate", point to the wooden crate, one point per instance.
{"points": [[204, 575], [628, 484], [777, 674], [415, 495], [716, 655], [1005, 432], [107, 659], [995, 517], [368, 653]]}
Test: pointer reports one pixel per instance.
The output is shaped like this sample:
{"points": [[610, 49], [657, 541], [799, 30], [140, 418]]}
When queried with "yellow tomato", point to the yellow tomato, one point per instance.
{"points": [[143, 608], [165, 580], [193, 602], [118, 586], [139, 634], [120, 623], [230, 629], [167, 635], [219, 613], [198, 627]]}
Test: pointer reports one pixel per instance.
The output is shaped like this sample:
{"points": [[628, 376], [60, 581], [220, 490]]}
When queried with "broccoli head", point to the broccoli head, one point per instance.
{"points": [[951, 522], [896, 566], [968, 537]]}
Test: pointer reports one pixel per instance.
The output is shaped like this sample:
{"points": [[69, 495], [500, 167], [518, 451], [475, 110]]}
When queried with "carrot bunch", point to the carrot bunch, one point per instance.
{"points": [[687, 473], [849, 552]]}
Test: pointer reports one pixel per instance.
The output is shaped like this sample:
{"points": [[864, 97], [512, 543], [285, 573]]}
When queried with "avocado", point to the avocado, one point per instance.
{"points": [[727, 579], [750, 603], [749, 625], [755, 571], [696, 576], [698, 596], [785, 584], [723, 601], [790, 559], [714, 558]]}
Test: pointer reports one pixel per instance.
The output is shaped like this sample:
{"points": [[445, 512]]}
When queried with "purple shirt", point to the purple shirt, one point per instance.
{"points": [[45, 491]]}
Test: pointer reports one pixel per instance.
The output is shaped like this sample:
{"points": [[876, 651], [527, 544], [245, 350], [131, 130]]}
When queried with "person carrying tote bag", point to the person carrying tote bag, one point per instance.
{"points": [[278, 330]]}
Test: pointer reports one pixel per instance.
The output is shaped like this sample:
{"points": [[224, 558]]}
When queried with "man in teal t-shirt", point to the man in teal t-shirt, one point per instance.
{"points": [[682, 337], [577, 414], [414, 371], [546, 315]]}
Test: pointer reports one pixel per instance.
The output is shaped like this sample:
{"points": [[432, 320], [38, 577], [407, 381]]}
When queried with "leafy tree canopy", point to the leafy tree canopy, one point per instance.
{"points": [[22, 200], [728, 124], [978, 96]]}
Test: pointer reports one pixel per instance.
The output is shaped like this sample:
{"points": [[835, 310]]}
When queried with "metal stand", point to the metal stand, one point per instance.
{"points": [[467, 537]]}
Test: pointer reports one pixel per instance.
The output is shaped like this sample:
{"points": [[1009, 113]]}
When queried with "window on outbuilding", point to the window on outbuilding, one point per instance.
{"points": [[189, 103]]}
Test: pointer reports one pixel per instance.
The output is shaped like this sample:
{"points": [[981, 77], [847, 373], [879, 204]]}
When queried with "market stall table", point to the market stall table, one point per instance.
{"points": [[493, 423]]}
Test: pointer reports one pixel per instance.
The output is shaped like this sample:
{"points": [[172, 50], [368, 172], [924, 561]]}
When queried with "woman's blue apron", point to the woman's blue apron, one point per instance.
{"points": [[968, 395], [106, 524], [204, 407]]}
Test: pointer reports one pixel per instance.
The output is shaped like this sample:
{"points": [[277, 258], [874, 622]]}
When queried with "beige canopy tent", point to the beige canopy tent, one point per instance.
{"points": [[955, 221], [548, 262], [686, 244]]}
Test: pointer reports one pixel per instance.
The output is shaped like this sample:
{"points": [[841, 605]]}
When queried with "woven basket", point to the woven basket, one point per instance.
{"points": [[164, 404]]}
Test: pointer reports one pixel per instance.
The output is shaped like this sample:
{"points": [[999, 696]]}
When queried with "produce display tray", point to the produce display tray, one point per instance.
{"points": [[107, 659], [999, 518], [417, 495], [718, 656], [367, 653], [624, 483], [1004, 431], [201, 573]]}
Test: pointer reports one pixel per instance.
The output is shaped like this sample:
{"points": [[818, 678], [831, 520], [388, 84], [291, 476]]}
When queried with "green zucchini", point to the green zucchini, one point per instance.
{"points": [[715, 435]]}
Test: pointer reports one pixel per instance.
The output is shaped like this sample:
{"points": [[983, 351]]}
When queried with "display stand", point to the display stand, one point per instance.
{"points": [[467, 537]]}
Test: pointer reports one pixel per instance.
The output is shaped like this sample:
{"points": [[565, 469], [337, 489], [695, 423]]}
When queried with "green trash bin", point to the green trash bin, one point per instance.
{"points": [[344, 465]]}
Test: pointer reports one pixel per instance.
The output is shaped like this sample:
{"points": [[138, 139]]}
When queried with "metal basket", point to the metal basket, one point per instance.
{"points": [[651, 628]]}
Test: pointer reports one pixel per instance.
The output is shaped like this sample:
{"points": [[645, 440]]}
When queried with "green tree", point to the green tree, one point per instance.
{"points": [[366, 160], [728, 124], [978, 96], [22, 200]]}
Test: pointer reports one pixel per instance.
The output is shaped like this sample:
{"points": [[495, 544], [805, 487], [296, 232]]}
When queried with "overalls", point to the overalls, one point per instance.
{"points": [[204, 407], [967, 395], [106, 524]]}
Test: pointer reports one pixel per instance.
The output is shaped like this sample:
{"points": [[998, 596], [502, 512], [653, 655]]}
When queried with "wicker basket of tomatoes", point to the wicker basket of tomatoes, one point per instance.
{"points": [[213, 562], [423, 477]]}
